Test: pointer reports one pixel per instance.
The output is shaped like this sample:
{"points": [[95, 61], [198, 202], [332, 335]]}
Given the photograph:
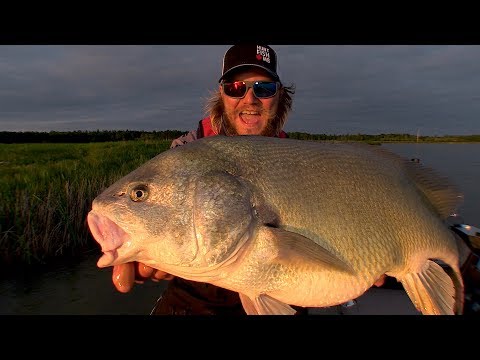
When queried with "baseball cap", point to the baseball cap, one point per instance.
{"points": [[247, 55]]}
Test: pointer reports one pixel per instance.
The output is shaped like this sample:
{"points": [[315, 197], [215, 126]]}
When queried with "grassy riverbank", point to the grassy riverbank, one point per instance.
{"points": [[47, 190]]}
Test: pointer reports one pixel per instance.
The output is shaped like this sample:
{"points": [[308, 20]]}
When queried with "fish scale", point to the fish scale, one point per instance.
{"points": [[287, 222]]}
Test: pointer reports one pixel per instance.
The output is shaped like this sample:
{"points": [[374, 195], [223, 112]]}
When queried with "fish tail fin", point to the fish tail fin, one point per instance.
{"points": [[435, 290], [265, 305]]}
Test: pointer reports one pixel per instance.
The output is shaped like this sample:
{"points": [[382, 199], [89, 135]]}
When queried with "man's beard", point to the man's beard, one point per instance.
{"points": [[229, 130]]}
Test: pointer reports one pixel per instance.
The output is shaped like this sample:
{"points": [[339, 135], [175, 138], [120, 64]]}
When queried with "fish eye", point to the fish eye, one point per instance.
{"points": [[139, 193]]}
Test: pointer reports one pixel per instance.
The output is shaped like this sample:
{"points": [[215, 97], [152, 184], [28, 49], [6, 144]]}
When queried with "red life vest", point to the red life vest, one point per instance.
{"points": [[205, 129]]}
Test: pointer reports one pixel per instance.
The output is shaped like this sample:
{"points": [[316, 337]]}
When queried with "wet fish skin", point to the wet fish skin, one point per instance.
{"points": [[284, 221]]}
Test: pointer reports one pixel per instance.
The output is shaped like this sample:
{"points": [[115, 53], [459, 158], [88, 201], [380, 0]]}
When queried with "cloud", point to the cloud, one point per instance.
{"points": [[340, 89]]}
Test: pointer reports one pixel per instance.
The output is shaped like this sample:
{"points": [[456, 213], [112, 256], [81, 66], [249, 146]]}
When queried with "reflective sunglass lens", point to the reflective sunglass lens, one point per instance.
{"points": [[235, 89], [265, 89], [261, 89]]}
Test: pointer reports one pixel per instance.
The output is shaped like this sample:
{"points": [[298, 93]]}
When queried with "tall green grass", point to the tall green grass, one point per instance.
{"points": [[46, 191]]}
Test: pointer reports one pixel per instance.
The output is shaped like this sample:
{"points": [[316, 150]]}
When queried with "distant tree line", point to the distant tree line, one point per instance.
{"points": [[10, 137], [353, 137], [385, 137]]}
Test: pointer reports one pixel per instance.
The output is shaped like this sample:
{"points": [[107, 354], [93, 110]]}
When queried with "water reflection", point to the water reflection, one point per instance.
{"points": [[79, 289]]}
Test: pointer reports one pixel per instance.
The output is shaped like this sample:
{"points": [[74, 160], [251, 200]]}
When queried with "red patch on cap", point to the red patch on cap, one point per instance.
{"points": [[259, 57]]}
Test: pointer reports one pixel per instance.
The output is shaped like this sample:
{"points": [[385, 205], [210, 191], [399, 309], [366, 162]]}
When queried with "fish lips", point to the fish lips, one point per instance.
{"points": [[108, 235]]}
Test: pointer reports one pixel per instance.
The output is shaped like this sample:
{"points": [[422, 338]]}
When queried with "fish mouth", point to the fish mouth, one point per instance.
{"points": [[108, 235]]}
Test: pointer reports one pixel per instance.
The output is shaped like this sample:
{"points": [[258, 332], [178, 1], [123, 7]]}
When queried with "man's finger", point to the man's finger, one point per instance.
{"points": [[162, 275], [143, 271], [123, 277], [380, 281]]}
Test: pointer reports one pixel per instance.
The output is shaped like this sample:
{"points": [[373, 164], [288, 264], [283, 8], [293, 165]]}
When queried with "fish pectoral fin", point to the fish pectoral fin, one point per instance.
{"points": [[248, 305], [295, 248], [432, 291], [265, 305]]}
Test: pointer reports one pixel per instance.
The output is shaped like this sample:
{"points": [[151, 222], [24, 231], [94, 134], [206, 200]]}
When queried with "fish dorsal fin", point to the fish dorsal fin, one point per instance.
{"points": [[294, 248], [444, 196], [433, 292], [265, 305]]}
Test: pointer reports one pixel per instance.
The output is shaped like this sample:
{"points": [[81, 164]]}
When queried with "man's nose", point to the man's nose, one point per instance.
{"points": [[250, 96]]}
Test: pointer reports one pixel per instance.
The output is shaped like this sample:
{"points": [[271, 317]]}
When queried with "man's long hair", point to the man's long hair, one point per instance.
{"points": [[215, 109]]}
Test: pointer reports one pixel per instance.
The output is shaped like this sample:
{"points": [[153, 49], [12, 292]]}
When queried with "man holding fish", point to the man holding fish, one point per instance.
{"points": [[250, 100]]}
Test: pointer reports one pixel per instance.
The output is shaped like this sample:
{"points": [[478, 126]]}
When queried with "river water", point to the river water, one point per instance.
{"points": [[84, 289]]}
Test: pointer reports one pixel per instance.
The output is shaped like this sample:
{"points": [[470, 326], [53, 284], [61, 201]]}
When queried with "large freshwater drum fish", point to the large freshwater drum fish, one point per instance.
{"points": [[286, 222]]}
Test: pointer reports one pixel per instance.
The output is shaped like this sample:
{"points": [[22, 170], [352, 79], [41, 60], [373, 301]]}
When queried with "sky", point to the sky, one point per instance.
{"points": [[340, 89]]}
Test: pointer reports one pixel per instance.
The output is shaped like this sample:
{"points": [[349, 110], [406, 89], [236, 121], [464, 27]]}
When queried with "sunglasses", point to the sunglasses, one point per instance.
{"points": [[261, 89]]}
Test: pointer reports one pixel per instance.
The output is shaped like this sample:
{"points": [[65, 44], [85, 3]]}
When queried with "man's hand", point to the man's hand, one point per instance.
{"points": [[380, 281], [124, 276]]}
